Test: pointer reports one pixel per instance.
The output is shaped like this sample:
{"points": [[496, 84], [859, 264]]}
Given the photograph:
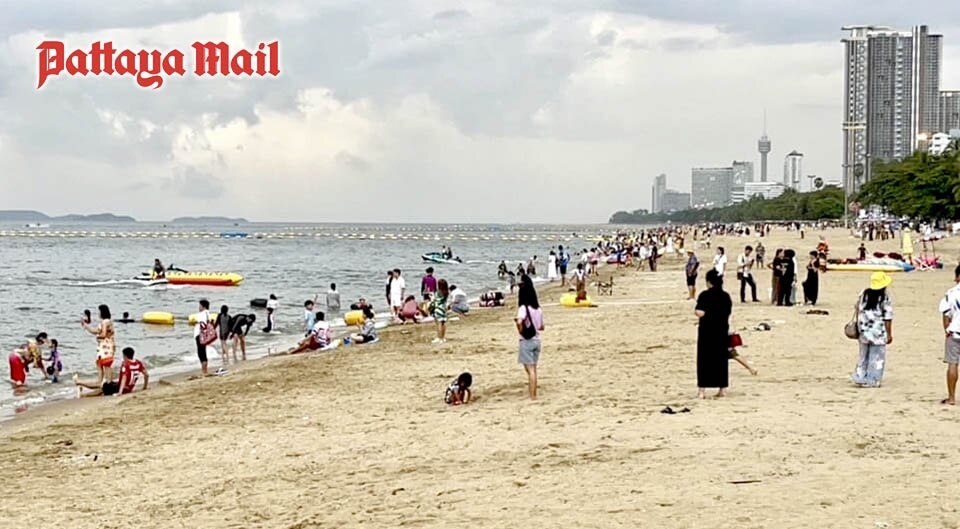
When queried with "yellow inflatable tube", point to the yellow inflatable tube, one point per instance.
{"points": [[193, 318], [158, 318], [570, 300], [354, 317]]}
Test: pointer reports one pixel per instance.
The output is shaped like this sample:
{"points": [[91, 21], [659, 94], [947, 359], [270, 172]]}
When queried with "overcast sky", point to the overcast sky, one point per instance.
{"points": [[420, 110]]}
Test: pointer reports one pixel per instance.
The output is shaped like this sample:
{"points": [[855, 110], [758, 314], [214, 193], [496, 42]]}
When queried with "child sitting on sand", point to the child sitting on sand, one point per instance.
{"points": [[368, 329], [317, 339], [458, 392], [55, 366]]}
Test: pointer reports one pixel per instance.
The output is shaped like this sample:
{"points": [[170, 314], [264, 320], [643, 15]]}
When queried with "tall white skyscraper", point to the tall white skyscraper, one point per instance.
{"points": [[659, 188], [793, 170]]}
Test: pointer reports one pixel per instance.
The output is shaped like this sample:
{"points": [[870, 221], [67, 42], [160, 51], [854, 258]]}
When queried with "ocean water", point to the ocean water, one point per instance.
{"points": [[49, 275]]}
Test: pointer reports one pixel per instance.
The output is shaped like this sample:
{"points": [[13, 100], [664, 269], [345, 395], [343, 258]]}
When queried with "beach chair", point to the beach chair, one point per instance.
{"points": [[605, 288]]}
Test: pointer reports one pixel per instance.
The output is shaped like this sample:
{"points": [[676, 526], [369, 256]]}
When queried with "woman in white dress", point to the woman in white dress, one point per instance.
{"points": [[552, 274], [670, 251]]}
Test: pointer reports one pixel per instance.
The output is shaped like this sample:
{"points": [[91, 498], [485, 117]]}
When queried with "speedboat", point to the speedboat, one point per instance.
{"points": [[437, 257]]}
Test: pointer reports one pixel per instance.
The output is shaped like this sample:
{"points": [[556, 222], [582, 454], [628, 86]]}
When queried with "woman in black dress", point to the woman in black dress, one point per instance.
{"points": [[811, 287], [787, 279], [777, 266], [713, 337]]}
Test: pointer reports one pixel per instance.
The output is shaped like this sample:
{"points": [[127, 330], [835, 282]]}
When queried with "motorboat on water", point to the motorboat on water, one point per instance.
{"points": [[437, 257]]}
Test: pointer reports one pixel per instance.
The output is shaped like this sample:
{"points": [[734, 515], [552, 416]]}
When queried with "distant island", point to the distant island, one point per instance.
{"points": [[209, 220], [28, 216], [25, 215]]}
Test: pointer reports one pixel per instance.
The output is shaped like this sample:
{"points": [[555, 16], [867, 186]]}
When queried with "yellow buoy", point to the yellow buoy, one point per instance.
{"points": [[193, 318], [158, 318], [354, 317]]}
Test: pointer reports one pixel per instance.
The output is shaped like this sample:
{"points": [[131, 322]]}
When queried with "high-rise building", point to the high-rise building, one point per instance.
{"points": [[949, 110], [793, 170], [742, 173], [891, 96], [711, 187], [675, 201], [659, 188]]}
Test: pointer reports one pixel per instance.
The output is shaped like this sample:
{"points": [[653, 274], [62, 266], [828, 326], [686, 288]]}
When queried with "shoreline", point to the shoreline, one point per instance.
{"points": [[16, 417]]}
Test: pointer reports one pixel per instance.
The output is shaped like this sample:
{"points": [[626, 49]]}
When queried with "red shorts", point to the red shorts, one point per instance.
{"points": [[18, 372], [106, 361]]}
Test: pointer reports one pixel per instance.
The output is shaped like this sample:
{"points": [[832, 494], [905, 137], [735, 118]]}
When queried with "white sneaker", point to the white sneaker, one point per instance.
{"points": [[437, 340]]}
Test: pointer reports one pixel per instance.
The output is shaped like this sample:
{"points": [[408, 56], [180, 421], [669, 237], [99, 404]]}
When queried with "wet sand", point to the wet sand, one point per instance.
{"points": [[360, 436]]}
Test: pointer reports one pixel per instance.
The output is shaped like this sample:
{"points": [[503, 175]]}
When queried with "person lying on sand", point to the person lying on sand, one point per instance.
{"points": [[130, 372], [318, 338], [458, 392]]}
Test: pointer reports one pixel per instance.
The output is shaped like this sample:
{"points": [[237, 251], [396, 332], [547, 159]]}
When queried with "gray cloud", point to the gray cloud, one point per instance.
{"points": [[451, 14], [193, 184], [517, 104]]}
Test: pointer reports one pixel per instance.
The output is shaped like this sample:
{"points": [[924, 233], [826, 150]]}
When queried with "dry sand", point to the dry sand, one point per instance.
{"points": [[360, 437]]}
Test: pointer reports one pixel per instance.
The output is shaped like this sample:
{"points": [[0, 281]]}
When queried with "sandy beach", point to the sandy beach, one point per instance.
{"points": [[360, 436]]}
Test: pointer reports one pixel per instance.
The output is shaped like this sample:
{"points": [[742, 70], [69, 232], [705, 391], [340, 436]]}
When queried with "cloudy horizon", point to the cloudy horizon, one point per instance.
{"points": [[427, 111]]}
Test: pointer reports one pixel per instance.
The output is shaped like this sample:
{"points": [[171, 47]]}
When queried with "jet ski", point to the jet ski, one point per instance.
{"points": [[437, 257]]}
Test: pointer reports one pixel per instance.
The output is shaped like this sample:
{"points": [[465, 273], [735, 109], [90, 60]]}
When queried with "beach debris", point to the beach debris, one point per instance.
{"points": [[745, 481], [670, 411], [818, 312], [762, 326]]}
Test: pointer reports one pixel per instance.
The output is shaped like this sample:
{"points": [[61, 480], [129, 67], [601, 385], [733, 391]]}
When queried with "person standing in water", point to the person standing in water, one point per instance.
{"points": [[202, 318], [223, 331], [106, 344], [272, 305], [333, 300]]}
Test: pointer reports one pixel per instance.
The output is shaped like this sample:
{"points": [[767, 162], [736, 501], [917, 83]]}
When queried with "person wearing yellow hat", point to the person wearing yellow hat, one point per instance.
{"points": [[875, 323]]}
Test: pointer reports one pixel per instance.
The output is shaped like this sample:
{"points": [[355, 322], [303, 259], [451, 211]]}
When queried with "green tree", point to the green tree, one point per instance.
{"points": [[827, 203]]}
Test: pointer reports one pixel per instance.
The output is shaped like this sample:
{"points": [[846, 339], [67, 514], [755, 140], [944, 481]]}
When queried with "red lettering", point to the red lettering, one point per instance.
{"points": [[101, 54], [77, 63], [126, 63], [212, 58], [50, 61], [149, 70], [273, 60], [242, 62], [173, 63], [150, 67]]}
